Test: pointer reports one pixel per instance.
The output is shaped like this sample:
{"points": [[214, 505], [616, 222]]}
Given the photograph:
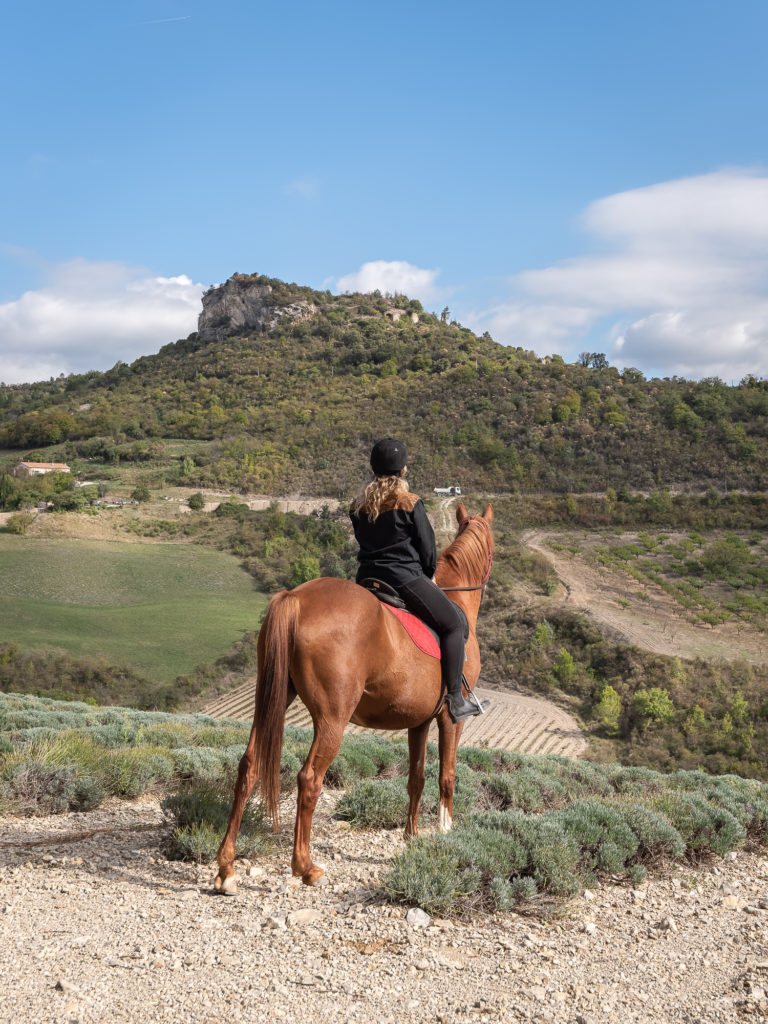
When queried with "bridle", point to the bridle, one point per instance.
{"points": [[484, 584]]}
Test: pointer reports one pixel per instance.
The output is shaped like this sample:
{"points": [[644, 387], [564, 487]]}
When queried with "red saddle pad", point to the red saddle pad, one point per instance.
{"points": [[420, 633]]}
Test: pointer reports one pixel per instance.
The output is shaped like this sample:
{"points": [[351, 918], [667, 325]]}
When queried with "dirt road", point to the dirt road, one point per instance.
{"points": [[655, 622]]}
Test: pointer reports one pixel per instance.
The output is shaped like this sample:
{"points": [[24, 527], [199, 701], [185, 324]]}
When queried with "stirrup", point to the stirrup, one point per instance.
{"points": [[466, 709], [481, 705]]}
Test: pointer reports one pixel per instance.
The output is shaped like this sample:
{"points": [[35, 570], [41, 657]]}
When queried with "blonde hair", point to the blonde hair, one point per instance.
{"points": [[378, 495]]}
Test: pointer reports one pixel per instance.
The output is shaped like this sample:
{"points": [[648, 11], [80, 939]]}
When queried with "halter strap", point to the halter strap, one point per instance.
{"points": [[484, 584]]}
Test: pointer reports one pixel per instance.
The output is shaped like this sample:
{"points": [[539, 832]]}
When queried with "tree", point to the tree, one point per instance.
{"points": [[305, 568], [652, 706], [585, 358], [140, 493], [8, 492], [19, 522], [564, 667], [196, 502], [607, 711], [599, 361]]}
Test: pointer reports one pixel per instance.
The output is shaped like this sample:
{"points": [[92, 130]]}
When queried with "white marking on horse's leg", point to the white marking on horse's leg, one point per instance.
{"points": [[446, 821]]}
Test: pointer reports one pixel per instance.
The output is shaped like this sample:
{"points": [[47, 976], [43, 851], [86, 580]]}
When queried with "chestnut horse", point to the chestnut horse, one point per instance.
{"points": [[331, 643]]}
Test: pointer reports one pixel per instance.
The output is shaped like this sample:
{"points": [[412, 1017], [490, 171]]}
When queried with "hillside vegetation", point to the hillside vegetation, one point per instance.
{"points": [[530, 830], [296, 408]]}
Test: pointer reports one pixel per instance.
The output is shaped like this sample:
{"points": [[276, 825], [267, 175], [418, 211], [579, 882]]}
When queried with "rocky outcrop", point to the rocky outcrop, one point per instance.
{"points": [[243, 304]]}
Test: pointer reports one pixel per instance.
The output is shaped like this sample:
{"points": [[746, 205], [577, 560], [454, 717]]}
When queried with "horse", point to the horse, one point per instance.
{"points": [[330, 642]]}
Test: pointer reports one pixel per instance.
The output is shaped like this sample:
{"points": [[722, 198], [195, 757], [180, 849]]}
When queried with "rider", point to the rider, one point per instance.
{"points": [[397, 546]]}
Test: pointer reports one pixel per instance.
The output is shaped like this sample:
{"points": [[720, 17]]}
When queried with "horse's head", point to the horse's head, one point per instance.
{"points": [[463, 517], [470, 555]]}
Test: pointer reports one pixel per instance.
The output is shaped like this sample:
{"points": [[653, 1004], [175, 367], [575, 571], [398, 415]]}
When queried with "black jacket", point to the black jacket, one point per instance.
{"points": [[399, 545]]}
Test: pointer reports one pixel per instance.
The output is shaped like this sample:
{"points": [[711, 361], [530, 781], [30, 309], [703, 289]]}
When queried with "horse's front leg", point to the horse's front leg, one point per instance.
{"points": [[449, 734], [417, 751], [325, 746]]}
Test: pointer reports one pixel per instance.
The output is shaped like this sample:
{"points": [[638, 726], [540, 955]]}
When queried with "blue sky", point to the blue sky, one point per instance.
{"points": [[566, 176]]}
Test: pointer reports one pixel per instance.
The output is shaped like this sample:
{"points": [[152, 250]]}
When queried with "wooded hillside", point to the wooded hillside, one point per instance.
{"points": [[297, 406]]}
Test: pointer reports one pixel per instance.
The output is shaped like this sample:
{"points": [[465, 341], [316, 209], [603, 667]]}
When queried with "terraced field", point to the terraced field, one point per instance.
{"points": [[514, 722]]}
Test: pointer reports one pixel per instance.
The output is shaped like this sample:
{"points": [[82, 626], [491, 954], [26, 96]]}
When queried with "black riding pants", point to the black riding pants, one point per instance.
{"points": [[425, 599]]}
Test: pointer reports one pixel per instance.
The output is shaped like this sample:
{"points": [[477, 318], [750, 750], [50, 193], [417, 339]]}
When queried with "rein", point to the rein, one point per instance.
{"points": [[484, 584]]}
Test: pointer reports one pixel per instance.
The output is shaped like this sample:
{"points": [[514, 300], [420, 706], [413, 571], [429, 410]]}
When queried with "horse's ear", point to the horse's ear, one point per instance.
{"points": [[461, 514], [488, 514]]}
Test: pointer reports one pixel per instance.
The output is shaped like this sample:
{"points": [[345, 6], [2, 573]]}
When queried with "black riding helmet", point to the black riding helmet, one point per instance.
{"points": [[388, 457]]}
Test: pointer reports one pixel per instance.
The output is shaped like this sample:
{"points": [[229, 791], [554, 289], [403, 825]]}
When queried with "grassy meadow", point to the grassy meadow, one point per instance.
{"points": [[159, 609]]}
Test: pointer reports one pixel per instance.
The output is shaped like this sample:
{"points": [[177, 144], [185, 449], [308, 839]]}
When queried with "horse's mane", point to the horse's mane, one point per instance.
{"points": [[467, 554]]}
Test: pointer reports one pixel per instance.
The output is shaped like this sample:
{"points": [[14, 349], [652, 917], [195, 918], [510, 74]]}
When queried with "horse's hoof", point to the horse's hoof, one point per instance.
{"points": [[315, 877], [225, 886]]}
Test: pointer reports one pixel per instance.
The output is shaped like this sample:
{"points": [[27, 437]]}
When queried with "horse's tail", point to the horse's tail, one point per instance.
{"points": [[276, 640]]}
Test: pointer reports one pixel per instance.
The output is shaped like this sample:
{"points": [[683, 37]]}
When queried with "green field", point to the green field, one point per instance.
{"points": [[159, 609]]}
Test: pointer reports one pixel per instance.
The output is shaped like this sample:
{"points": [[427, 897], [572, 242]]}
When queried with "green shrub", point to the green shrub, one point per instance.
{"points": [[133, 771], [705, 827], [36, 787], [380, 804], [525, 790], [428, 873], [199, 814]]}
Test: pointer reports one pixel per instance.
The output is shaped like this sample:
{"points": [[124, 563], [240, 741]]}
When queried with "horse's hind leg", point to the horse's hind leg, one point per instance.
{"points": [[417, 751], [247, 775], [325, 746], [225, 881]]}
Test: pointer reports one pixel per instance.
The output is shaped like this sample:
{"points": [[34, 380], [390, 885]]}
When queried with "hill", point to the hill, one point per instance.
{"points": [[285, 388]]}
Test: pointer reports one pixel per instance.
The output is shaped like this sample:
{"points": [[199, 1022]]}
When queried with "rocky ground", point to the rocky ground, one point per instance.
{"points": [[97, 927]]}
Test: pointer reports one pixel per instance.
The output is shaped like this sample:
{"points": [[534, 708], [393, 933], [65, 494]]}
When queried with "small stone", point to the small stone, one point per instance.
{"points": [[734, 902], [62, 985], [422, 965], [668, 924], [589, 927], [418, 918], [307, 915], [588, 895], [277, 923], [538, 992]]}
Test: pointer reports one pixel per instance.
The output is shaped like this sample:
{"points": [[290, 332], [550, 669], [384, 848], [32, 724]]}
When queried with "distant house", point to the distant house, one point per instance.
{"points": [[39, 468]]}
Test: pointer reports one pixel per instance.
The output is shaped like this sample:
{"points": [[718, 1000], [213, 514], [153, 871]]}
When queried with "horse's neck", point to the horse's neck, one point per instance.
{"points": [[469, 603], [467, 600]]}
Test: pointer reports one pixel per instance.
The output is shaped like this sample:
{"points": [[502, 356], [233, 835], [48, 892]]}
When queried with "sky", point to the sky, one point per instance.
{"points": [[569, 177]]}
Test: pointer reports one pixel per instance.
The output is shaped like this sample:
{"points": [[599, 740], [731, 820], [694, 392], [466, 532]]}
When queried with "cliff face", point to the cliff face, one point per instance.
{"points": [[244, 304]]}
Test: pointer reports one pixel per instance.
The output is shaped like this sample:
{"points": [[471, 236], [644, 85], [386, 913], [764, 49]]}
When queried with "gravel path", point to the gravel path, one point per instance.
{"points": [[97, 928]]}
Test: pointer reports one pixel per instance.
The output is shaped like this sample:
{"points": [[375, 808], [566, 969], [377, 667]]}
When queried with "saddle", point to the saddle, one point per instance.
{"points": [[422, 635]]}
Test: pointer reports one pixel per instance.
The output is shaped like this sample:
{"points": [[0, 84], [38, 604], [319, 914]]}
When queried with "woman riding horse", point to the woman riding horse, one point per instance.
{"points": [[397, 546], [332, 644]]}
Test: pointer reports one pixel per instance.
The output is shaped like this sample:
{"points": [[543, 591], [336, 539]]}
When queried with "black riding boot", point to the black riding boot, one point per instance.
{"points": [[459, 707], [426, 600]]}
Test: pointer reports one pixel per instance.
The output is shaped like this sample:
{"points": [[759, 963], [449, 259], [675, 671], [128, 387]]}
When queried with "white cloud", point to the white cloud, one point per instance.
{"points": [[680, 286], [90, 314], [395, 277], [305, 188]]}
